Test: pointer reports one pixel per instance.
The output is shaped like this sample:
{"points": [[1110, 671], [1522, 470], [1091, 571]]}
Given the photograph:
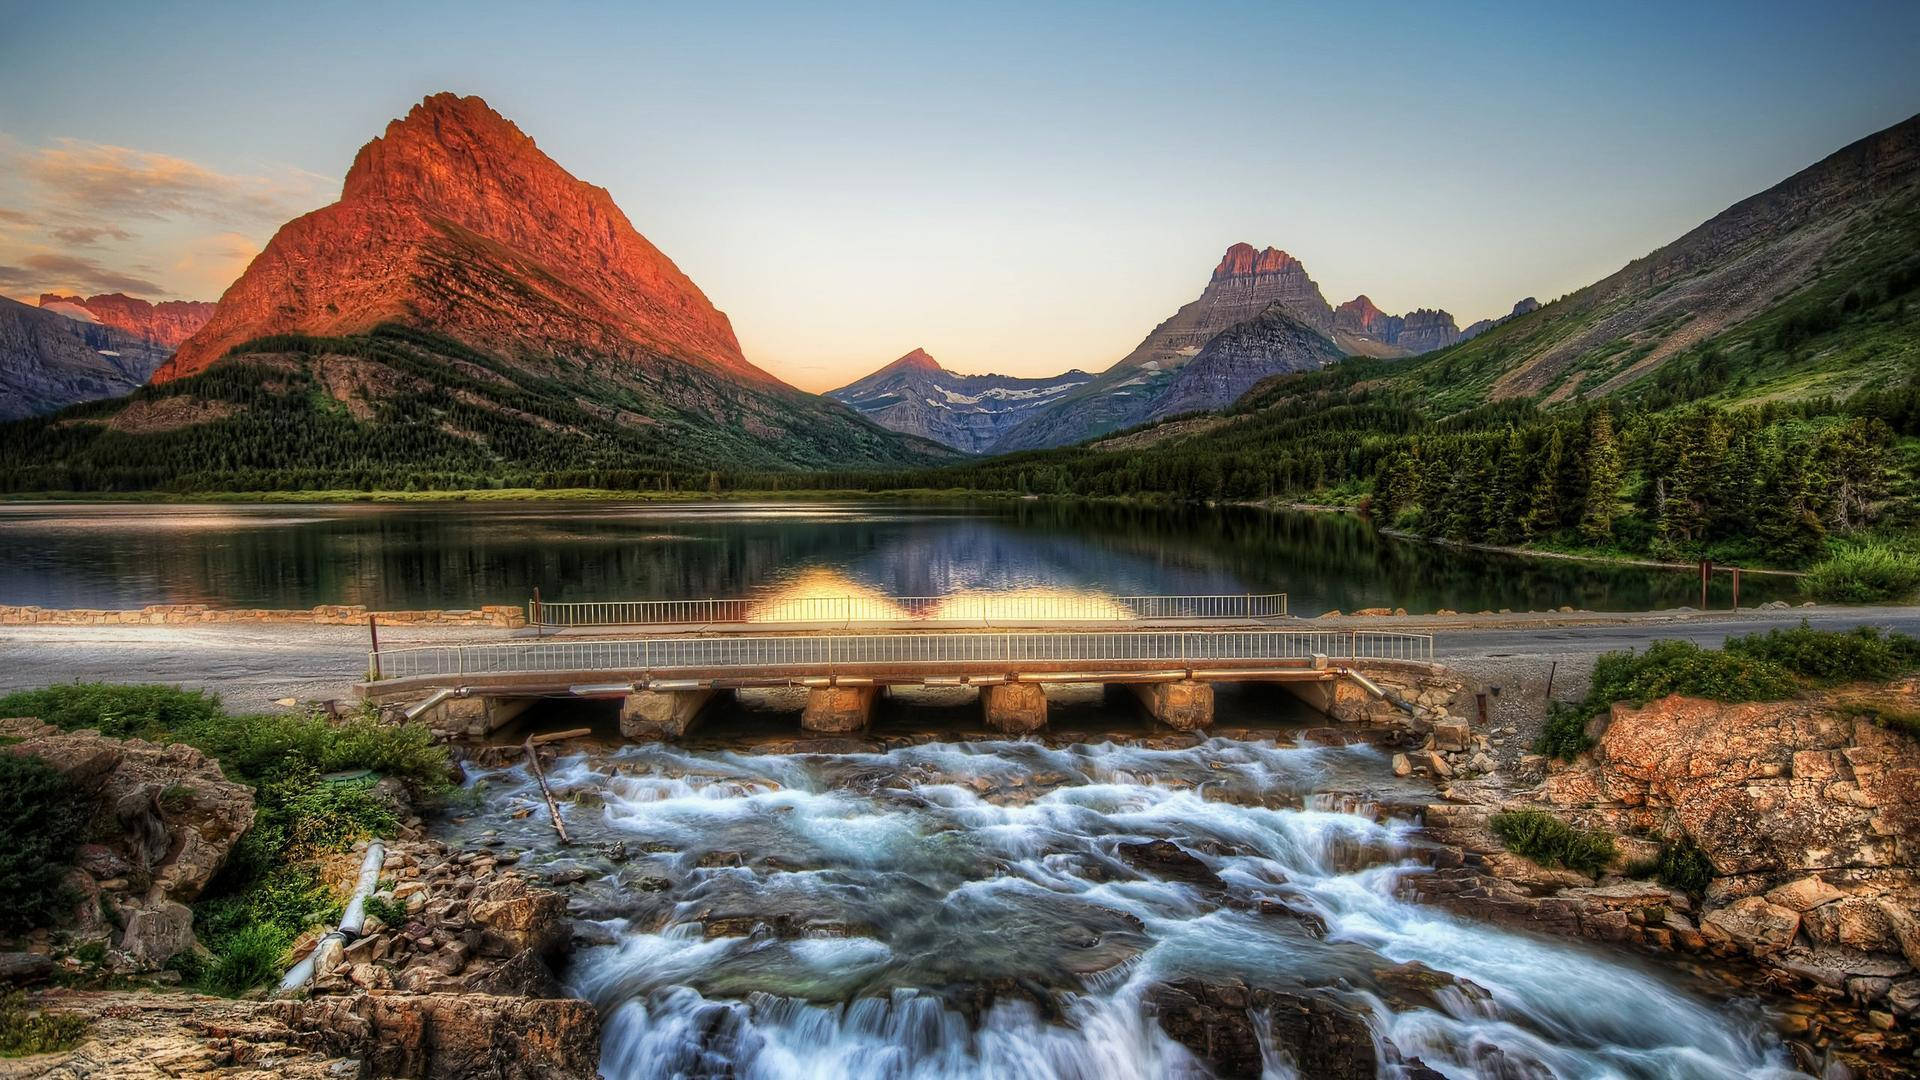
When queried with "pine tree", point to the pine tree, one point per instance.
{"points": [[1603, 480]]}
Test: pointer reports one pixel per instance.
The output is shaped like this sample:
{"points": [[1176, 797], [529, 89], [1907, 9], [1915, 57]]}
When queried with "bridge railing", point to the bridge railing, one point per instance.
{"points": [[1005, 609], [826, 654]]}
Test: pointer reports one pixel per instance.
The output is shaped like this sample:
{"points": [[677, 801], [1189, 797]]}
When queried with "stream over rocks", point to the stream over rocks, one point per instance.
{"points": [[998, 908]]}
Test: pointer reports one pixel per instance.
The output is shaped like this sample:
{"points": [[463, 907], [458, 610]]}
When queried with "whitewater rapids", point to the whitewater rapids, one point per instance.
{"points": [[981, 909]]}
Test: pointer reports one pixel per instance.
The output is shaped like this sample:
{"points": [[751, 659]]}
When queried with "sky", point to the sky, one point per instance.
{"points": [[1021, 188]]}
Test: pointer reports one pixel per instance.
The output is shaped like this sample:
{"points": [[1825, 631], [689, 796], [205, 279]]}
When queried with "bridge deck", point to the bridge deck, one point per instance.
{"points": [[610, 664]]}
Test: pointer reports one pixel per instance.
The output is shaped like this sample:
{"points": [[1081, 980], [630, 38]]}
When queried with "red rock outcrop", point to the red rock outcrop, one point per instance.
{"points": [[455, 221], [167, 323]]}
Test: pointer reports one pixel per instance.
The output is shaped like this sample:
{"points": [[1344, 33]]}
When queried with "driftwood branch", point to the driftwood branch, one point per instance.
{"points": [[553, 808]]}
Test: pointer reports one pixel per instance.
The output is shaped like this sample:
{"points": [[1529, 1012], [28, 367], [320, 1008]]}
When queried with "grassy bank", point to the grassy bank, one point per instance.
{"points": [[271, 888]]}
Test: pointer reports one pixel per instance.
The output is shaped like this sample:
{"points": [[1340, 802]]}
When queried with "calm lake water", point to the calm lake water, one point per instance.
{"points": [[464, 555]]}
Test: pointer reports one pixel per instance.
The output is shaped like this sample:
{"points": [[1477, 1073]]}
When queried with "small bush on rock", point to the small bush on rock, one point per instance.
{"points": [[1547, 840], [43, 819]]}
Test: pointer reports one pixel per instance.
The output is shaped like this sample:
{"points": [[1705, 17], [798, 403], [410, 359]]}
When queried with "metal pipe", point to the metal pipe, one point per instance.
{"points": [[351, 923], [435, 698]]}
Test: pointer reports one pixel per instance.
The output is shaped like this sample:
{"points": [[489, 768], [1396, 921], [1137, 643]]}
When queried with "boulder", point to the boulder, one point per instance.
{"points": [[1804, 894], [515, 917], [1220, 1022], [167, 819], [1753, 924]]}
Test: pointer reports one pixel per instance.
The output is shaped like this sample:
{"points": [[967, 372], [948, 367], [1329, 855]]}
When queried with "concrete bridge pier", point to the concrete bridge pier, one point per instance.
{"points": [[1187, 704], [1014, 708], [839, 710], [476, 715], [662, 714]]}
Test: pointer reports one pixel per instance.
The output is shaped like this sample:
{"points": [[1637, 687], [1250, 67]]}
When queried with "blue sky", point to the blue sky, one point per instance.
{"points": [[1017, 187]]}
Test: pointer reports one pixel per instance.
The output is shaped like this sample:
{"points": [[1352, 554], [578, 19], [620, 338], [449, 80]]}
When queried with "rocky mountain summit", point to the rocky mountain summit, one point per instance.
{"points": [[916, 396], [165, 324], [1244, 287], [455, 220], [49, 360]]}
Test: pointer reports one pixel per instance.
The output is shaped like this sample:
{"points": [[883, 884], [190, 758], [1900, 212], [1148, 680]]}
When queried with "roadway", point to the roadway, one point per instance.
{"points": [[253, 664]]}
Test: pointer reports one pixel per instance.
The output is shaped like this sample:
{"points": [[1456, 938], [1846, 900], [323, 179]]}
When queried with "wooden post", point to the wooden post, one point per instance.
{"points": [[1706, 575], [1736, 588], [539, 616], [373, 631]]}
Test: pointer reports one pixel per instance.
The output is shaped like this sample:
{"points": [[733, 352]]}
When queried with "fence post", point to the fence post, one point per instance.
{"points": [[539, 613], [1736, 588]]}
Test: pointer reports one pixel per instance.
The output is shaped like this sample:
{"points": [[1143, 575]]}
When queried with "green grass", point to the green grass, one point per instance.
{"points": [[24, 1031], [1547, 840], [268, 891], [387, 910], [1865, 573]]}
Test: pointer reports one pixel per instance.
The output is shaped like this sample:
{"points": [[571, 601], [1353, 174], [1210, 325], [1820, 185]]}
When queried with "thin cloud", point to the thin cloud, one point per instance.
{"points": [[50, 272], [89, 235], [14, 217], [91, 180]]}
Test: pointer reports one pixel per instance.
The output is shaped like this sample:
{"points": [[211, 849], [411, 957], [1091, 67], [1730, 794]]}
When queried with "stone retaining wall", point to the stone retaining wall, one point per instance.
{"points": [[499, 616]]}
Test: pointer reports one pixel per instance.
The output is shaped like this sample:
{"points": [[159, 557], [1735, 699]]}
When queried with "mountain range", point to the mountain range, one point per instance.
{"points": [[1259, 315], [467, 306], [917, 396]]}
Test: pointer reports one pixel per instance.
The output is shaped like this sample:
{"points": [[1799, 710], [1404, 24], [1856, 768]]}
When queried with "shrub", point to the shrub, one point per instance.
{"points": [[1551, 842], [24, 1032], [387, 910], [249, 957], [1564, 735], [137, 712], [1682, 865], [1681, 667], [1830, 657], [43, 819], [1864, 575]]}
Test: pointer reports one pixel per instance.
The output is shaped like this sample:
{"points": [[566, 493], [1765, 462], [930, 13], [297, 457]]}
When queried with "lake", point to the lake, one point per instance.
{"points": [[458, 555]]}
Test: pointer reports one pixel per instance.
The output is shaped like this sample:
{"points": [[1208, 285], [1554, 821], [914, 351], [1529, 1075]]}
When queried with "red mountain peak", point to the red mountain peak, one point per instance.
{"points": [[1242, 259], [453, 220]]}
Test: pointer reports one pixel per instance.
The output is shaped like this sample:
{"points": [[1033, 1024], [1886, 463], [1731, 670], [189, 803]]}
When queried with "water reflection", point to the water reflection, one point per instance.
{"points": [[457, 555]]}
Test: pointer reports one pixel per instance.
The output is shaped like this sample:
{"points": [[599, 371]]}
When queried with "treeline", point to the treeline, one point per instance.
{"points": [[1761, 484], [422, 412]]}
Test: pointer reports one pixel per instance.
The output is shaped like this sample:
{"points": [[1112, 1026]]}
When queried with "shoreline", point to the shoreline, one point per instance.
{"points": [[347, 497]]}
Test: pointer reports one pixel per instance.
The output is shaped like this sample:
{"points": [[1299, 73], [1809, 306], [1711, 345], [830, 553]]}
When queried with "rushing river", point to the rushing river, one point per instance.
{"points": [[465, 555], [996, 908]]}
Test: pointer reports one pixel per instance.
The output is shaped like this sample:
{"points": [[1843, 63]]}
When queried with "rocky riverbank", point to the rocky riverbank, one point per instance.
{"points": [[1804, 815]]}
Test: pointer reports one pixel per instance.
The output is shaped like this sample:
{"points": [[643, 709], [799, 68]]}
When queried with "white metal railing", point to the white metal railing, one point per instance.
{"points": [[824, 654], [989, 608]]}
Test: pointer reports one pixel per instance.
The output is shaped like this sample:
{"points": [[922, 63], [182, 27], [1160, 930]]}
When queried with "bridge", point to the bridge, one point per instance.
{"points": [[665, 682]]}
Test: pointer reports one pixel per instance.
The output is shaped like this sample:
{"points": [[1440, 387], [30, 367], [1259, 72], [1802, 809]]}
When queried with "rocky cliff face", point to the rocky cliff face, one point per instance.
{"points": [[916, 396], [1523, 307], [165, 324], [49, 361], [1360, 326], [454, 220], [1271, 343]]}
